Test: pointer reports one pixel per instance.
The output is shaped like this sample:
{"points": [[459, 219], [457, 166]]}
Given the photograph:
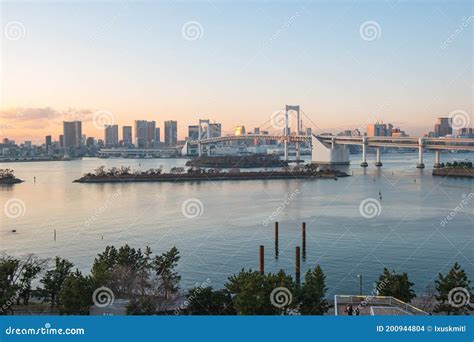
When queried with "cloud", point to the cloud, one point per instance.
{"points": [[41, 117]]}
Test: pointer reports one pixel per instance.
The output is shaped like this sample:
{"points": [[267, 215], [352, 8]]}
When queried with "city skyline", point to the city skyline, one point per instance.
{"points": [[247, 63]]}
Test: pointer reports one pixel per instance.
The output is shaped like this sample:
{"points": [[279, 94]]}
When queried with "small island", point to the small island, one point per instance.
{"points": [[244, 161], [7, 177], [179, 174], [456, 169]]}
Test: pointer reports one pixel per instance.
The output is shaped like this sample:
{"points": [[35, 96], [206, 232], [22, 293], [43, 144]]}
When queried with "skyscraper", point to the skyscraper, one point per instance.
{"points": [[140, 133], [127, 135], [150, 133], [111, 135], [443, 127], [72, 132], [171, 133]]}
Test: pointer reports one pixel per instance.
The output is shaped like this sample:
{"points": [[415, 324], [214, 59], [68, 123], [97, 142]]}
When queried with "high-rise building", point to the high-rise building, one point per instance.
{"points": [[240, 130], [443, 127], [193, 132], [150, 133], [72, 132], [171, 133], [127, 135], [111, 135], [141, 128], [48, 141]]}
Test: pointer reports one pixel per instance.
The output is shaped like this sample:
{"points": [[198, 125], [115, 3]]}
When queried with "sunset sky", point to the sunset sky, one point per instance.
{"points": [[136, 60]]}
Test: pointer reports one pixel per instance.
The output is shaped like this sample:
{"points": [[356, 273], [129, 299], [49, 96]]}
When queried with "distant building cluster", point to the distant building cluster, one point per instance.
{"points": [[379, 129]]}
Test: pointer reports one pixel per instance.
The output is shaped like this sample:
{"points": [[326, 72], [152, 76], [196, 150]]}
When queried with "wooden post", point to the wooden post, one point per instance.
{"points": [[297, 265], [276, 240], [262, 260], [303, 239]]}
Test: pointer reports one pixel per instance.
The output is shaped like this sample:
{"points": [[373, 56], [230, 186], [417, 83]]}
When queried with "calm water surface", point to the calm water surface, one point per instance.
{"points": [[406, 236]]}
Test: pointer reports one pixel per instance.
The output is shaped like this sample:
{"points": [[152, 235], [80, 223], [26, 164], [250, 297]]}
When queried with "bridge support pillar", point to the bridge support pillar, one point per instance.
{"points": [[378, 161], [420, 164], [286, 149], [437, 163], [199, 149], [364, 152]]}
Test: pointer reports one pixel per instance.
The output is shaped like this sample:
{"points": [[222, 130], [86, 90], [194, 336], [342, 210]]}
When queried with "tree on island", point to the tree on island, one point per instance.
{"points": [[76, 294], [206, 301], [313, 293], [53, 281], [395, 285], [454, 292]]}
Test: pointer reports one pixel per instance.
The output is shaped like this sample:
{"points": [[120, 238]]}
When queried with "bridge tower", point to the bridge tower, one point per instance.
{"points": [[204, 133], [295, 108]]}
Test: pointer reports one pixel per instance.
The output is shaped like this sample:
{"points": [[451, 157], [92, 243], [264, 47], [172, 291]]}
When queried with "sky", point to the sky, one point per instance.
{"points": [[346, 63]]}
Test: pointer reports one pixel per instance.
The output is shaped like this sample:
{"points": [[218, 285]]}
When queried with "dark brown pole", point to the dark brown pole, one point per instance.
{"points": [[262, 262], [276, 232], [303, 238], [297, 264]]}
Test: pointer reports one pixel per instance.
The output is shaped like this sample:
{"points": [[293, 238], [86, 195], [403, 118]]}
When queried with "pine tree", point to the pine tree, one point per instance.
{"points": [[313, 293], [454, 292], [395, 285]]}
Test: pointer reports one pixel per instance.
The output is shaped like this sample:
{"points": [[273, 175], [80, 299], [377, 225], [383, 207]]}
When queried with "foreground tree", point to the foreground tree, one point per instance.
{"points": [[453, 292], [76, 294], [53, 281], [395, 285], [165, 269], [262, 294], [313, 293], [206, 301]]}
